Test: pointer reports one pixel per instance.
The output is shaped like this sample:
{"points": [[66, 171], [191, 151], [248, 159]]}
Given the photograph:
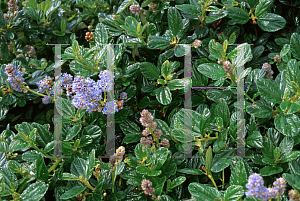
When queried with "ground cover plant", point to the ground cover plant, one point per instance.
{"points": [[147, 78]]}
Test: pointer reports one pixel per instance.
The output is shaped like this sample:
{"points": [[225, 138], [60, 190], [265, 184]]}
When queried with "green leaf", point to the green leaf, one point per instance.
{"points": [[68, 110], [234, 193], [34, 14], [14, 166], [43, 135], [75, 47], [215, 49], [177, 181], [30, 156], [41, 169], [166, 69], [212, 70], [287, 157], [260, 109], [178, 84], [221, 159], [252, 198], [34, 192], [44, 6], [119, 169], [79, 167], [179, 51], [158, 42], [292, 73], [213, 16], [271, 22], [149, 70], [208, 160], [9, 100], [140, 151], [124, 5], [202, 192], [287, 124], [175, 22], [255, 140], [270, 170], [191, 171], [91, 162], [262, 7], [182, 135], [286, 145], [238, 15], [189, 9], [238, 174], [32, 4], [164, 95], [72, 192], [295, 45], [243, 53], [68, 176], [73, 132], [269, 90]]}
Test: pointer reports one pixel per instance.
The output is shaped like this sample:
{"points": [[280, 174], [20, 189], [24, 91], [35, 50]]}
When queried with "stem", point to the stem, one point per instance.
{"points": [[223, 179], [213, 181], [32, 90], [246, 94], [54, 165], [113, 180]]}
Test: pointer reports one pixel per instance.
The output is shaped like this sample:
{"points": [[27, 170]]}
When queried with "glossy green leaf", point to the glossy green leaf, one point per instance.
{"points": [[34, 192], [41, 169], [269, 90], [221, 159], [287, 124], [271, 22], [202, 192], [175, 22], [164, 95], [260, 109], [262, 7], [212, 70], [149, 70], [182, 135], [270, 170], [124, 5], [140, 151], [238, 15], [72, 192], [189, 9], [177, 181], [234, 193]]}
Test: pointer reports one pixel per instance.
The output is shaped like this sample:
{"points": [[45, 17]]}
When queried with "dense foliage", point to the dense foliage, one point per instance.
{"points": [[148, 80]]}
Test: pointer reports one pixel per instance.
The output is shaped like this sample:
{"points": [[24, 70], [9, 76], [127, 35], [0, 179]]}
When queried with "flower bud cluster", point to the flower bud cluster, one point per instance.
{"points": [[12, 6], [123, 95], [15, 78], [197, 43], [147, 121], [152, 6], [294, 195], [135, 9], [277, 58], [147, 187], [267, 67], [45, 84], [117, 157], [10, 46], [256, 188], [20, 56], [89, 36], [30, 50]]}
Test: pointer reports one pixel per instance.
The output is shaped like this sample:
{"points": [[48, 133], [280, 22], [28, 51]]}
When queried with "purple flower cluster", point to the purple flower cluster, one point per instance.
{"points": [[165, 143], [117, 157], [12, 6], [256, 188], [147, 187], [277, 58], [228, 67], [135, 9], [267, 67], [15, 78], [147, 121], [294, 195]]}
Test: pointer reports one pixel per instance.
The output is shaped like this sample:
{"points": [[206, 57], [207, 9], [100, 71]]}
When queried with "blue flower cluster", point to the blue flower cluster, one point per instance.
{"points": [[15, 78], [256, 188], [112, 106], [88, 94]]}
